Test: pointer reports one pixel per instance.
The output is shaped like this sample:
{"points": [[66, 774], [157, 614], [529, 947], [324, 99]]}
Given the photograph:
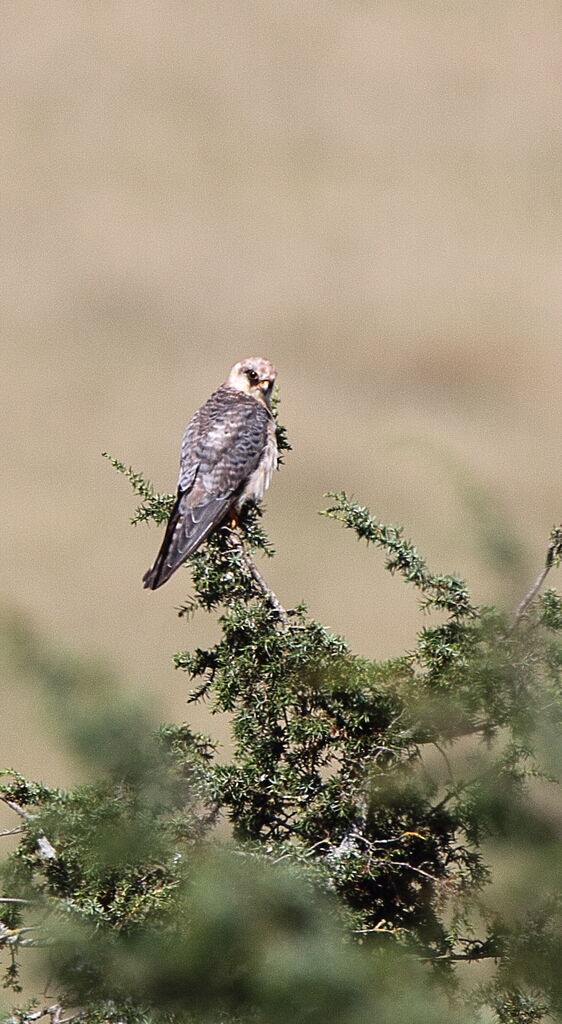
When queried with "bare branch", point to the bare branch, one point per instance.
{"points": [[449, 957], [553, 556], [45, 847], [16, 807], [53, 1012], [269, 595], [441, 751], [418, 871], [532, 593]]}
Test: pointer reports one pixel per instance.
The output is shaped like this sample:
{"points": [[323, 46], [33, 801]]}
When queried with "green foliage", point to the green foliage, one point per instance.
{"points": [[446, 592], [551, 607], [374, 809], [155, 506]]}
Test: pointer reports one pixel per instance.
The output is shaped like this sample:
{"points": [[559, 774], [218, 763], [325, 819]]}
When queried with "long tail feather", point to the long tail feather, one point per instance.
{"points": [[188, 526], [160, 571]]}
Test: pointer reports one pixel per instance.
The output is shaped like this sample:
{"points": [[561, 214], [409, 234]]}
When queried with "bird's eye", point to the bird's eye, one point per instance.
{"points": [[252, 376]]}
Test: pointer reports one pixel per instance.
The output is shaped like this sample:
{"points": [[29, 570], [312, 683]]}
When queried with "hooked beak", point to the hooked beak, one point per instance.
{"points": [[265, 385]]}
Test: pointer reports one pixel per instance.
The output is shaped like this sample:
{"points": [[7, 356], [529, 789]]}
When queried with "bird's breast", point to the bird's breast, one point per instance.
{"points": [[260, 479]]}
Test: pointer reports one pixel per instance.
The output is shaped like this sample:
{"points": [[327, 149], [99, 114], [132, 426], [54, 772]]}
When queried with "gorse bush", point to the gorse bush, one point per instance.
{"points": [[390, 822]]}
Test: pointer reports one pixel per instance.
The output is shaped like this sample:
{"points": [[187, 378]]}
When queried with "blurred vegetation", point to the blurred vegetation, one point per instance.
{"points": [[390, 821]]}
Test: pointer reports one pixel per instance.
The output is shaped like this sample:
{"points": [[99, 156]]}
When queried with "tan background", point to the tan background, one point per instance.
{"points": [[367, 193]]}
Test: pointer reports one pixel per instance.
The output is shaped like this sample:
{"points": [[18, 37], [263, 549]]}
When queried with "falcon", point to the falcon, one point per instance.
{"points": [[228, 454]]}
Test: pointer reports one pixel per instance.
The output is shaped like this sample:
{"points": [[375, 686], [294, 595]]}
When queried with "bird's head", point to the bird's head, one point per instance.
{"points": [[255, 376]]}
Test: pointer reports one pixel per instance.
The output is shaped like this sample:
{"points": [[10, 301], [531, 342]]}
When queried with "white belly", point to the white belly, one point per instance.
{"points": [[260, 479]]}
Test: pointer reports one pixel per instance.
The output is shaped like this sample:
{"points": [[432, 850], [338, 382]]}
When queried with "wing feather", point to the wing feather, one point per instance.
{"points": [[188, 526]]}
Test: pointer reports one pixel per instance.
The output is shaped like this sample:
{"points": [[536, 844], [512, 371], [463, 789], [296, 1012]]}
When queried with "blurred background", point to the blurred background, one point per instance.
{"points": [[368, 194]]}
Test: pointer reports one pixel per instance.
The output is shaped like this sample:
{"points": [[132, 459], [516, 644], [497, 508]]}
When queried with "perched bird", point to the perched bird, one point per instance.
{"points": [[228, 454]]}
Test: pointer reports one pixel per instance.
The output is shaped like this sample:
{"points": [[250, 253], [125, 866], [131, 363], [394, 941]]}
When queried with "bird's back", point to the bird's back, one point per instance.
{"points": [[227, 455]]}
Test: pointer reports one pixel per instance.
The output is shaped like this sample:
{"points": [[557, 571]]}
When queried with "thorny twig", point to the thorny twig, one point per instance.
{"points": [[269, 595], [553, 557]]}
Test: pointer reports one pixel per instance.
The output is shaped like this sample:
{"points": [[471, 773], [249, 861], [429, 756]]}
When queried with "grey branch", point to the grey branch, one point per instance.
{"points": [[269, 595], [553, 556], [46, 848], [53, 1012], [16, 807]]}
